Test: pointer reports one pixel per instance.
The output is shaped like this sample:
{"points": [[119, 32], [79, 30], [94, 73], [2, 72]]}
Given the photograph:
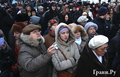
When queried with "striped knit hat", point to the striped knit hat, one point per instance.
{"points": [[102, 11]]}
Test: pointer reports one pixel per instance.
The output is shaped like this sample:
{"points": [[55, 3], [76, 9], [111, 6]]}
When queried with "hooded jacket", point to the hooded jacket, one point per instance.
{"points": [[69, 49], [32, 58], [84, 37]]}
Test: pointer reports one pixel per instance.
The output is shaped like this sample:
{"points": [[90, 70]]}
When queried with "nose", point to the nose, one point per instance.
{"points": [[105, 50], [14, 34]]}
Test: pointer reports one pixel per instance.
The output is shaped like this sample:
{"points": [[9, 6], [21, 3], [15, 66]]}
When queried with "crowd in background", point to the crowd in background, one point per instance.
{"points": [[79, 21]]}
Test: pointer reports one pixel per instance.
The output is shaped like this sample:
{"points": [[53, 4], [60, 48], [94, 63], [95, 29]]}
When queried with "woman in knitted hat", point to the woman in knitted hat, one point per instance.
{"points": [[91, 29], [33, 56], [50, 37], [81, 37], [65, 48]]}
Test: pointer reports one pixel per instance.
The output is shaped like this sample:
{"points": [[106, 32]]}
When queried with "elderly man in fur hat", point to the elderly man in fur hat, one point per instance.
{"points": [[93, 61], [33, 57]]}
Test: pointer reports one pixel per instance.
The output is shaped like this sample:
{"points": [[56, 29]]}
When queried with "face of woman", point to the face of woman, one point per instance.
{"points": [[111, 11], [28, 9], [77, 35], [66, 17], [64, 35]]}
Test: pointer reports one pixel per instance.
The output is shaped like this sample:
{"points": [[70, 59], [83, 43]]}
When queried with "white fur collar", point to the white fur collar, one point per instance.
{"points": [[32, 42]]}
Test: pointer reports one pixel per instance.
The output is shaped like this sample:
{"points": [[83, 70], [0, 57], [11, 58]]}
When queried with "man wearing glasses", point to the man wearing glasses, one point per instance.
{"points": [[33, 56]]}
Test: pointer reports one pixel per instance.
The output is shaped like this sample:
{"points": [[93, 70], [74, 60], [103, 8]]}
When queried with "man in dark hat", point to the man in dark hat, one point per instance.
{"points": [[103, 27]]}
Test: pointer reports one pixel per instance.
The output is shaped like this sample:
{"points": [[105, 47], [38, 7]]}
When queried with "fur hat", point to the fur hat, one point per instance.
{"points": [[102, 11], [51, 22], [97, 41], [21, 17], [80, 28], [17, 27], [90, 24], [29, 28]]}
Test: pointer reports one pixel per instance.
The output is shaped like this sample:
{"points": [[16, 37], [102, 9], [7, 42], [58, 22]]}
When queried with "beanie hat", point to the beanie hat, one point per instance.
{"points": [[97, 41], [40, 7], [51, 22], [90, 24], [17, 27], [102, 11], [30, 28], [82, 19]]}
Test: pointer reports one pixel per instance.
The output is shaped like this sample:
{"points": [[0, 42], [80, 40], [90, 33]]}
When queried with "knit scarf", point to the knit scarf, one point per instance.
{"points": [[51, 33]]}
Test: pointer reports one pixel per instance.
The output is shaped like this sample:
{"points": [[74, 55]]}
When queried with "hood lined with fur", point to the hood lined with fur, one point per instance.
{"points": [[84, 35]]}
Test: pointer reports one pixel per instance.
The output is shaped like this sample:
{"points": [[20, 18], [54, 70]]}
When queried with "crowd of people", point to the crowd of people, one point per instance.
{"points": [[59, 39]]}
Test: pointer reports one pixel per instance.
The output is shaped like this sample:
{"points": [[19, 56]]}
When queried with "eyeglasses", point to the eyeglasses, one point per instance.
{"points": [[106, 48], [35, 32]]}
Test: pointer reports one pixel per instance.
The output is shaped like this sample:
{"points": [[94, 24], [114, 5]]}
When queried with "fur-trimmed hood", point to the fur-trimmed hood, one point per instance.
{"points": [[84, 35], [71, 35], [30, 41]]}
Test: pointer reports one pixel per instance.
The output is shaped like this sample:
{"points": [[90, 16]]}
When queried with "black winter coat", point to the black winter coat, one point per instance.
{"points": [[116, 61], [103, 27], [112, 49], [88, 64], [74, 16]]}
